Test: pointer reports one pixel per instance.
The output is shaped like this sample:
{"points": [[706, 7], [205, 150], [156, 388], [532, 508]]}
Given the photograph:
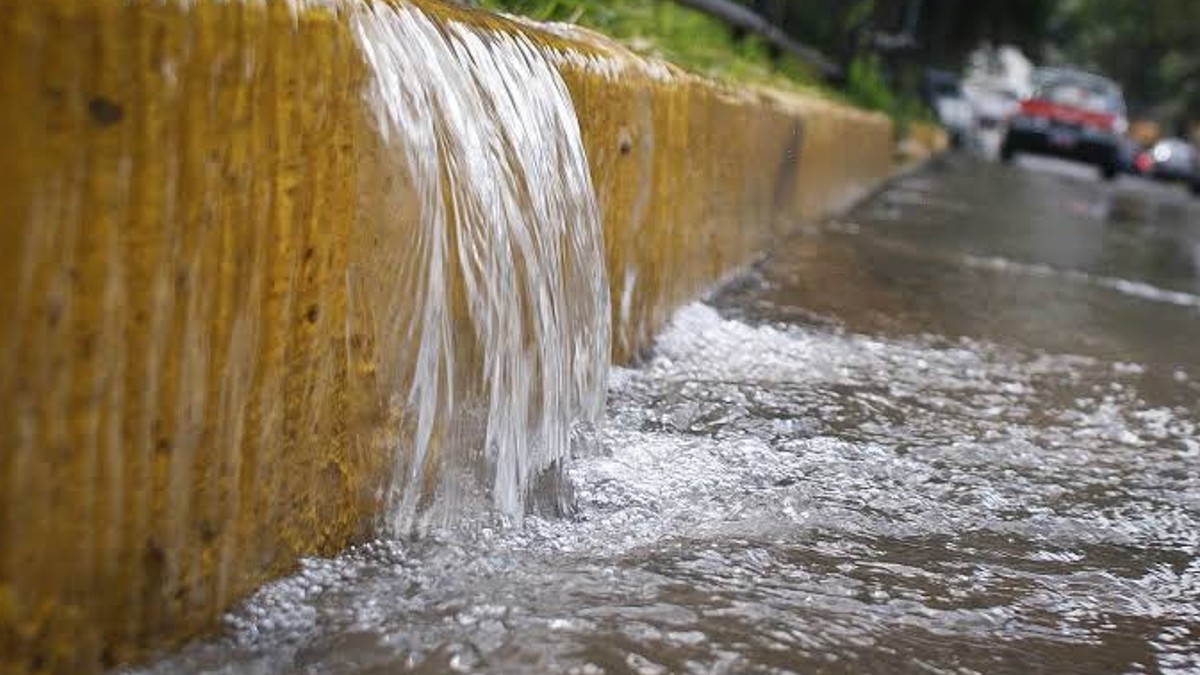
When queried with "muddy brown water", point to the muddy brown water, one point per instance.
{"points": [[952, 431]]}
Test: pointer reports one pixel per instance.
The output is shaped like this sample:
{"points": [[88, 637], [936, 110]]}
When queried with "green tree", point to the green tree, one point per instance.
{"points": [[1152, 48]]}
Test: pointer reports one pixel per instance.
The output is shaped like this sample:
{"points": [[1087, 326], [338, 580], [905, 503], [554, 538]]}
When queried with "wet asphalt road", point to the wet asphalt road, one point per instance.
{"points": [[954, 431], [1042, 255]]}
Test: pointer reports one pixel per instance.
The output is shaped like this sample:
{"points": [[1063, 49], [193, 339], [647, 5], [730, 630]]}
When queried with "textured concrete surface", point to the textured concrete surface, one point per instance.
{"points": [[198, 221]]}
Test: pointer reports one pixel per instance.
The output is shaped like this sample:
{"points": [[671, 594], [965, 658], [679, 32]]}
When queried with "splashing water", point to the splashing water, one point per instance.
{"points": [[787, 494], [508, 241]]}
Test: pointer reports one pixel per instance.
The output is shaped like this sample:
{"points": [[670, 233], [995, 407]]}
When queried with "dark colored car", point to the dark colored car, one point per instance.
{"points": [[1071, 115], [1172, 159]]}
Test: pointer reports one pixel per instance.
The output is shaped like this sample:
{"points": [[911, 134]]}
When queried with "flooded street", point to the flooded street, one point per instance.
{"points": [[952, 431]]}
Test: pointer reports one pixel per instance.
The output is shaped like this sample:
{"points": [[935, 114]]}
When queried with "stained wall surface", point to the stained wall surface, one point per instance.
{"points": [[200, 225]]}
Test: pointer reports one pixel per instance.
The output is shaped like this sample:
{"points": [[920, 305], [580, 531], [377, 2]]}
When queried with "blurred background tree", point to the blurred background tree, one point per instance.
{"points": [[1151, 47]]}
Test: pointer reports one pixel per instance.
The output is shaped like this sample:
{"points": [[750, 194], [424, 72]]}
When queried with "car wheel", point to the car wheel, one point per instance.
{"points": [[1007, 152], [1108, 171], [1194, 186]]}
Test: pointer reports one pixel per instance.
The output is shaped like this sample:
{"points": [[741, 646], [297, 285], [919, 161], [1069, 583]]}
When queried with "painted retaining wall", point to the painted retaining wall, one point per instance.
{"points": [[199, 220]]}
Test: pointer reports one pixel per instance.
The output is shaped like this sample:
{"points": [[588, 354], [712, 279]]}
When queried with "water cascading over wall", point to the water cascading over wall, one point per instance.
{"points": [[279, 275], [508, 236]]}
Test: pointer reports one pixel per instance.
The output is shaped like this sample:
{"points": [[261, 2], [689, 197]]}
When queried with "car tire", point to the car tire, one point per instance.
{"points": [[1007, 151], [1194, 186], [1109, 171]]}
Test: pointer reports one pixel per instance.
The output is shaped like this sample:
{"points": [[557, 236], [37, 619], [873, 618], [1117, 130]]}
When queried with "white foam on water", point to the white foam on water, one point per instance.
{"points": [[775, 489]]}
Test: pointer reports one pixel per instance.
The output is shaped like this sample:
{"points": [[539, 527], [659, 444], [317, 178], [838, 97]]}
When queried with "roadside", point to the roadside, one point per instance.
{"points": [[704, 45]]}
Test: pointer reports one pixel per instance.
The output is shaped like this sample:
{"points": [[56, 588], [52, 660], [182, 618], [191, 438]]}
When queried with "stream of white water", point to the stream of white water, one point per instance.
{"points": [[509, 228]]}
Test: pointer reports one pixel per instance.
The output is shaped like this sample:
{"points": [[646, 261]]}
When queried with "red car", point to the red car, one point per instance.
{"points": [[1071, 115]]}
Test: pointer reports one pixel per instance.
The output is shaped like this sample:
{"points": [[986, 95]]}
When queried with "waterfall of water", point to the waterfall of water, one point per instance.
{"points": [[509, 338]]}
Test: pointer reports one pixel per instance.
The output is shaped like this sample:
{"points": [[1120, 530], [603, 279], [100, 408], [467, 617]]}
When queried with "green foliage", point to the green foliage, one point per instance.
{"points": [[867, 86], [667, 30], [859, 13], [704, 45], [1151, 47]]}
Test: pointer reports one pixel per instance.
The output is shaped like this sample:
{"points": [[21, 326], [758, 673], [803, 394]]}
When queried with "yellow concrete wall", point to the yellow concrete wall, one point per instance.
{"points": [[198, 218], [694, 180], [922, 141]]}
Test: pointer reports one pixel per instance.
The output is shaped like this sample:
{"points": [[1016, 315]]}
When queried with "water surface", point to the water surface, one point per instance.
{"points": [[953, 431]]}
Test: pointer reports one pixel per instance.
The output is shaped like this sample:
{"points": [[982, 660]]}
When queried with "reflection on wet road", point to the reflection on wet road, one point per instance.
{"points": [[1040, 258], [955, 431]]}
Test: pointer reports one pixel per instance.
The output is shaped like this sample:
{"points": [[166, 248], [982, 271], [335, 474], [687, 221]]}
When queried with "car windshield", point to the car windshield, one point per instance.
{"points": [[1093, 95]]}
